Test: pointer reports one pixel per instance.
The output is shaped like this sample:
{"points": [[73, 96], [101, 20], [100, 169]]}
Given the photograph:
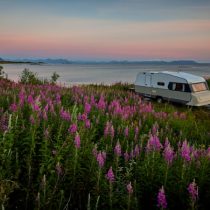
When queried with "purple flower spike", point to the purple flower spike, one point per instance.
{"points": [[100, 159], [168, 154], [129, 188], [117, 149], [126, 156], [59, 169], [161, 198], [77, 141], [193, 191], [87, 108], [153, 144], [185, 151], [126, 132], [32, 120], [73, 128], [13, 107], [87, 123], [110, 175]]}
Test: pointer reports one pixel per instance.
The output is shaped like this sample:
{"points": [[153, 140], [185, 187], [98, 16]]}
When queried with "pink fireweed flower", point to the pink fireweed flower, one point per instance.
{"points": [[58, 98], [92, 100], [84, 117], [155, 129], [110, 175], [136, 132], [136, 150], [46, 108], [168, 154], [44, 115], [193, 191], [13, 107], [161, 199], [73, 128], [153, 144], [109, 130], [65, 115], [112, 131], [106, 129], [182, 116], [208, 153], [36, 107], [166, 143], [94, 151], [129, 188], [87, 123], [59, 169], [77, 141], [32, 120], [132, 155], [21, 98], [4, 122], [126, 156], [101, 160], [117, 149], [126, 132], [52, 109], [87, 108], [185, 151], [101, 103], [30, 99]]}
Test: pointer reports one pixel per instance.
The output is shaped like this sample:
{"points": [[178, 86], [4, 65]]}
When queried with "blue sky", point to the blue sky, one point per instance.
{"points": [[108, 29]]}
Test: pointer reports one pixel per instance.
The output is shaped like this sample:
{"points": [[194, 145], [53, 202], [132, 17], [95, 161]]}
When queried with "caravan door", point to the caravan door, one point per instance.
{"points": [[148, 80]]}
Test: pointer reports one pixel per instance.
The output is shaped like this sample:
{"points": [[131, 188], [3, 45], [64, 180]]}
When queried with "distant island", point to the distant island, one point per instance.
{"points": [[66, 61]]}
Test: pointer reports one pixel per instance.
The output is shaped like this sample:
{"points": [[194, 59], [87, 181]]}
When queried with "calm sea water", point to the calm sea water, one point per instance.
{"points": [[98, 73]]}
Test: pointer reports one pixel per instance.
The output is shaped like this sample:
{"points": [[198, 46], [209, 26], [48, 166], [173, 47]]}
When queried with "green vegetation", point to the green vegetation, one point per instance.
{"points": [[54, 77], [99, 147], [1, 72], [29, 77], [96, 146]]}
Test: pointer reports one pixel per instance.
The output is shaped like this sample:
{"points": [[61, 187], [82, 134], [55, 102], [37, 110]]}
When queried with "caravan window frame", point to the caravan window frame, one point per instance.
{"points": [[179, 87]]}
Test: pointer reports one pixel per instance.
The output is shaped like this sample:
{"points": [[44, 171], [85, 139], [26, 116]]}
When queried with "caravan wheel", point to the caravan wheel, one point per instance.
{"points": [[159, 100]]}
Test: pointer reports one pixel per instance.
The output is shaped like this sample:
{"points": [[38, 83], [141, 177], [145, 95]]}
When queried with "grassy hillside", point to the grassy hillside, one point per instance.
{"points": [[100, 147]]}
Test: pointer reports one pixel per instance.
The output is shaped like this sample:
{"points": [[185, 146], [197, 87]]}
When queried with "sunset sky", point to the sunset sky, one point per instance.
{"points": [[105, 29]]}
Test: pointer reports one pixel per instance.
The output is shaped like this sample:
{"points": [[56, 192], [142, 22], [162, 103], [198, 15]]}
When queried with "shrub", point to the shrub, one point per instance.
{"points": [[29, 77]]}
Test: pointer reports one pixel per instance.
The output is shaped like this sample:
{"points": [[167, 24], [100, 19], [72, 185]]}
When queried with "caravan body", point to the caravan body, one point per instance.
{"points": [[178, 87]]}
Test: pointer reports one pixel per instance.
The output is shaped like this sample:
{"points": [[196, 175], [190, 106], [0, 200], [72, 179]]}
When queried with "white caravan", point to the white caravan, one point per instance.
{"points": [[173, 86]]}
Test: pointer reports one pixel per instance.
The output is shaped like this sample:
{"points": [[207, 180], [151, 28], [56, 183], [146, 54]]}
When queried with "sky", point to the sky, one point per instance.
{"points": [[105, 29]]}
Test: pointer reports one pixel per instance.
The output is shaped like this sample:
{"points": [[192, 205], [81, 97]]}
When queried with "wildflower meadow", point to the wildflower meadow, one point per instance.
{"points": [[99, 147]]}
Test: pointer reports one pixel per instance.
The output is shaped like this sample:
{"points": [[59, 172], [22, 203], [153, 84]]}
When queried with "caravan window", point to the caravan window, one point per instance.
{"points": [[179, 87], [199, 87], [161, 83]]}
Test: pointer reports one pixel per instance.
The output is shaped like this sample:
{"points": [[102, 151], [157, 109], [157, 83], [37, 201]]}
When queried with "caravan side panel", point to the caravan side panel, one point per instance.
{"points": [[159, 88]]}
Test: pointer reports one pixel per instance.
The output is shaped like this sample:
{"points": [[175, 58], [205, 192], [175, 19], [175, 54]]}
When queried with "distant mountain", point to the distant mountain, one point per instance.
{"points": [[65, 61], [184, 62], [178, 62], [56, 61]]}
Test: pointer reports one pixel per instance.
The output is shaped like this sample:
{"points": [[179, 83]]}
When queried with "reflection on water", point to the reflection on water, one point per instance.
{"points": [[99, 73]]}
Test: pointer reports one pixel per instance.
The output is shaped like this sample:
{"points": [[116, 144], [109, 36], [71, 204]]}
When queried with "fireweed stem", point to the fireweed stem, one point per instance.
{"points": [[98, 180], [110, 194], [129, 200], [75, 161], [166, 175]]}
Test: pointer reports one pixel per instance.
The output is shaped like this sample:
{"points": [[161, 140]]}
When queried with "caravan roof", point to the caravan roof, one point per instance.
{"points": [[189, 77]]}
